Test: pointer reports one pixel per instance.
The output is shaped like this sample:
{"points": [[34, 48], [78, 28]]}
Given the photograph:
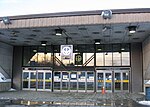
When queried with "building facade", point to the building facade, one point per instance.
{"points": [[119, 63]]}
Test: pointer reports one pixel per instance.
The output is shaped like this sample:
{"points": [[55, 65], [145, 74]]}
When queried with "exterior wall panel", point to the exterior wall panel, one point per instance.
{"points": [[17, 68], [136, 67], [146, 59]]}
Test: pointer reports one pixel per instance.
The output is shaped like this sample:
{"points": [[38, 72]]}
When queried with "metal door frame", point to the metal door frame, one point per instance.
{"points": [[120, 70]]}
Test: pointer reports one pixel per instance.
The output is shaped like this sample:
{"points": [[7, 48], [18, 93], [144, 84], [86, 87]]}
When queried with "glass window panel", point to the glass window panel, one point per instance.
{"points": [[125, 59], [25, 79], [90, 80], [88, 59], [99, 59], [117, 81], [116, 59], [33, 80], [100, 80], [108, 59], [47, 80], [57, 80], [81, 80]]}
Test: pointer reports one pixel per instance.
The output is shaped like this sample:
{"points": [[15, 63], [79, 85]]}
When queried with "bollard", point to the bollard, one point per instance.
{"points": [[103, 90]]}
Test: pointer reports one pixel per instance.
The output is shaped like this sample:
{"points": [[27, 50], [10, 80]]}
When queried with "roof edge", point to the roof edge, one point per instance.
{"points": [[79, 13]]}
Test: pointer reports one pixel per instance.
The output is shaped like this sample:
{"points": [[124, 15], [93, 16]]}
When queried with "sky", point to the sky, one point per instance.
{"points": [[26, 7]]}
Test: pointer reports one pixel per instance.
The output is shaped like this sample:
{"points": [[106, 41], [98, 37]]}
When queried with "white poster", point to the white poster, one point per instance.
{"points": [[73, 76]]}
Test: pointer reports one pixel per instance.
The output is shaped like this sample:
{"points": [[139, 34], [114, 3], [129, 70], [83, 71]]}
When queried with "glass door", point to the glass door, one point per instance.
{"points": [[90, 81], [108, 81], [104, 79], [125, 78], [40, 80], [118, 81], [57, 81], [73, 81], [121, 81], [25, 79], [100, 81], [81, 81], [65, 81], [48, 80], [33, 80]]}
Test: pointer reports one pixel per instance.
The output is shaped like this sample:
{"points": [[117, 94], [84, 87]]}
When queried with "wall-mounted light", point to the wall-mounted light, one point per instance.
{"points": [[132, 29], [97, 41], [58, 32], [6, 20], [43, 43], [106, 14]]}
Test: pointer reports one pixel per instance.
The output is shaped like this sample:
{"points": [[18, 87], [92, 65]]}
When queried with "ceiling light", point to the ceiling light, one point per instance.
{"points": [[58, 32], [122, 49], [97, 41], [43, 43], [99, 49], [6, 20], [76, 50], [106, 14], [132, 29], [34, 50]]}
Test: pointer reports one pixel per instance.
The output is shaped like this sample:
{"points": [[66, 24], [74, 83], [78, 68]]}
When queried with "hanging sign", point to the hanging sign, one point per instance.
{"points": [[78, 59], [66, 52]]}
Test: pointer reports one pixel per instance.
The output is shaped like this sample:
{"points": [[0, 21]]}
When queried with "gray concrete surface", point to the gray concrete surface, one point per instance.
{"points": [[46, 99]]}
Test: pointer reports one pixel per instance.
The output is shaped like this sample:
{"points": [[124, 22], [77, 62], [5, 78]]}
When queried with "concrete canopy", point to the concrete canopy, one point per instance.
{"points": [[79, 27]]}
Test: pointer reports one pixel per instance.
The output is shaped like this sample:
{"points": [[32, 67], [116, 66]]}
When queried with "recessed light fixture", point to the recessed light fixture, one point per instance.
{"points": [[99, 49], [43, 43], [122, 49], [97, 41], [34, 50], [132, 29], [58, 32]]}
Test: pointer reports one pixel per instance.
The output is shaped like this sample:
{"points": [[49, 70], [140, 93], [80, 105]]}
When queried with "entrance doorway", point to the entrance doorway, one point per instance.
{"points": [[113, 80], [37, 80], [74, 81]]}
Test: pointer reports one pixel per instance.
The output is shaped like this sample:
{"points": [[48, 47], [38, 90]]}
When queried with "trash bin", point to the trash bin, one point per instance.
{"points": [[147, 93]]}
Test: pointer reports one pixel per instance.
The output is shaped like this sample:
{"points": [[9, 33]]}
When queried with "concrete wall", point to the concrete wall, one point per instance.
{"points": [[6, 58], [17, 68], [5, 86], [136, 68], [146, 58]]}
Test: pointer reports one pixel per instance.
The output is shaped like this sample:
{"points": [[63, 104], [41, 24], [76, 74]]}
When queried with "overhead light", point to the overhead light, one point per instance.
{"points": [[76, 50], [122, 49], [6, 20], [34, 50], [132, 29], [97, 41], [106, 14], [43, 43], [99, 49], [58, 32]]}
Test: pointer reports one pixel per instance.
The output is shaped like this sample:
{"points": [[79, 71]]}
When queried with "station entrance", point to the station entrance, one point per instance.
{"points": [[40, 80], [113, 80], [116, 80], [75, 81]]}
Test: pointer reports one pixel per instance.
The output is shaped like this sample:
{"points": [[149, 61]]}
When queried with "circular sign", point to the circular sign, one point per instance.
{"points": [[78, 58], [66, 50]]}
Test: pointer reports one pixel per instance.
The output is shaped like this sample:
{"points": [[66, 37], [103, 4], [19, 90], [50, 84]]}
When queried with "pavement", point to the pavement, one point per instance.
{"points": [[66, 99]]}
